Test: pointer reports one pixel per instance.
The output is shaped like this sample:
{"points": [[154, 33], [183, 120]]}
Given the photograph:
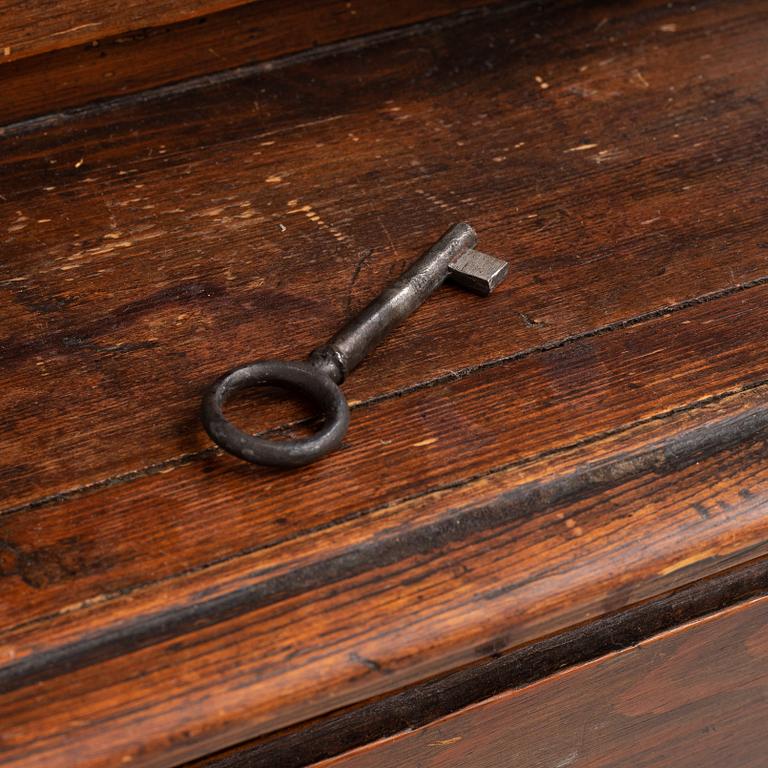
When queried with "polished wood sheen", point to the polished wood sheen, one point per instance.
{"points": [[587, 441], [436, 700], [28, 27]]}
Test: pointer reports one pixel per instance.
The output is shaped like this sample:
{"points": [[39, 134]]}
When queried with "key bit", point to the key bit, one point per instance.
{"points": [[478, 271], [453, 256]]}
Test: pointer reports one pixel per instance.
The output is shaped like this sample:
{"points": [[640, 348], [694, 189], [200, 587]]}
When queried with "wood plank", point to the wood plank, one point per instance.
{"points": [[136, 60], [597, 439], [343, 613], [93, 545], [155, 251], [693, 697], [30, 27], [420, 705]]}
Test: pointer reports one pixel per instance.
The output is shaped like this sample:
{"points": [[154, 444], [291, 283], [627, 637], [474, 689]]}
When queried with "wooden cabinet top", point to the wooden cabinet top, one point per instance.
{"points": [[590, 437]]}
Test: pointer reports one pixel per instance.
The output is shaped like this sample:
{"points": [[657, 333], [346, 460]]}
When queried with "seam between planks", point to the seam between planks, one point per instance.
{"points": [[512, 669], [352, 44], [360, 514], [187, 458]]}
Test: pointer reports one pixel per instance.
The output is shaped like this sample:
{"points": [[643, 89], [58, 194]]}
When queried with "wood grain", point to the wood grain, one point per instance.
{"points": [[346, 613], [29, 27], [136, 60], [92, 545], [589, 438], [161, 258], [419, 705], [689, 698]]}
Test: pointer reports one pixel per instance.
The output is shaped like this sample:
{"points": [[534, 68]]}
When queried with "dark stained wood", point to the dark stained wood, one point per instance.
{"points": [[420, 705], [147, 58], [589, 438], [363, 608], [693, 697], [29, 27], [97, 545], [161, 256]]}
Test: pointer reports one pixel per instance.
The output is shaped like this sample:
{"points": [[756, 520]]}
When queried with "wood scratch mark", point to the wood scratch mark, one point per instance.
{"points": [[695, 558], [389, 238], [445, 742], [315, 217], [638, 77], [76, 29], [605, 155], [435, 200], [370, 663], [362, 258], [298, 126]]}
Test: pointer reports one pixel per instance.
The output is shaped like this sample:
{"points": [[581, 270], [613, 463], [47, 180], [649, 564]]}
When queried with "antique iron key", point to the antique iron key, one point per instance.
{"points": [[318, 379]]}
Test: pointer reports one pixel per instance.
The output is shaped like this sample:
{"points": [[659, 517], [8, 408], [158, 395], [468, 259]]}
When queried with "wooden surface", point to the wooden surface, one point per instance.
{"points": [[694, 697], [420, 705], [252, 35], [596, 438], [29, 27]]}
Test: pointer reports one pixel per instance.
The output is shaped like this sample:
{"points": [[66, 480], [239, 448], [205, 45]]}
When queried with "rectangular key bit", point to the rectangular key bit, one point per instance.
{"points": [[478, 271]]}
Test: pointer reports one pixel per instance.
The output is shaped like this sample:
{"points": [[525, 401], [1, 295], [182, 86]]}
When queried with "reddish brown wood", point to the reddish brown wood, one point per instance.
{"points": [[160, 257], [588, 438], [95, 545], [281, 635], [694, 697], [419, 705], [147, 58], [29, 27]]}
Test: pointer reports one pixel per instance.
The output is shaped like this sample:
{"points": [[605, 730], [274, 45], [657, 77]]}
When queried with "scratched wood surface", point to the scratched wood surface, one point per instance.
{"points": [[596, 438]]}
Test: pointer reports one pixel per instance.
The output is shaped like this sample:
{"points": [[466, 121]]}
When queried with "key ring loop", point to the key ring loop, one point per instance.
{"points": [[302, 378]]}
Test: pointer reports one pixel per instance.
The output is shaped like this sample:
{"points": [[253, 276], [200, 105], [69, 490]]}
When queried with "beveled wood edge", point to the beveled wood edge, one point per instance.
{"points": [[86, 30], [304, 744], [668, 569], [701, 639], [668, 575], [139, 40], [710, 425]]}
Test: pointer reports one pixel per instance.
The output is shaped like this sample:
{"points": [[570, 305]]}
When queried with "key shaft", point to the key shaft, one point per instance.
{"points": [[318, 379], [394, 304]]}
